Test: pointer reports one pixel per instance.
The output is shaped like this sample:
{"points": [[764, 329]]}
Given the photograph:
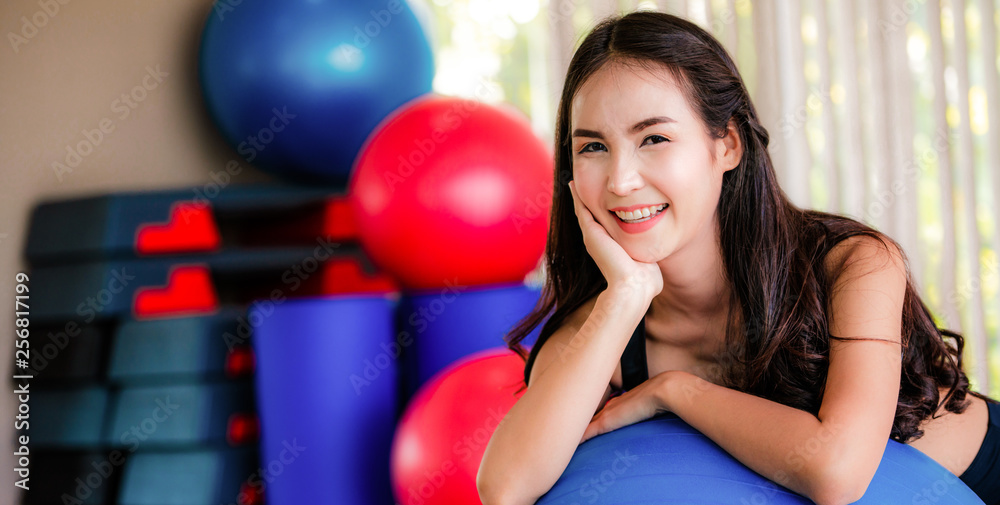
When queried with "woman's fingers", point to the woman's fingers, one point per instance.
{"points": [[613, 417], [631, 407]]}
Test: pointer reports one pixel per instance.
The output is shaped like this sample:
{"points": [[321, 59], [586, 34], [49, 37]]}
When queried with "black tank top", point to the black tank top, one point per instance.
{"points": [[983, 475], [633, 362]]}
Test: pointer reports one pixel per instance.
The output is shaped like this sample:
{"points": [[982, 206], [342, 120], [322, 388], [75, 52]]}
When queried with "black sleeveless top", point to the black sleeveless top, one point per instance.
{"points": [[983, 475], [633, 362]]}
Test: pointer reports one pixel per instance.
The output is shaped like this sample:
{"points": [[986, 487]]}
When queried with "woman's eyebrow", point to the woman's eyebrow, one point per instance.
{"points": [[646, 123], [580, 132], [641, 125]]}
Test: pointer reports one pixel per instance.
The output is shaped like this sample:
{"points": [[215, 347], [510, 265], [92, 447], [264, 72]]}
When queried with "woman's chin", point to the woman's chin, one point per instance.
{"points": [[645, 256]]}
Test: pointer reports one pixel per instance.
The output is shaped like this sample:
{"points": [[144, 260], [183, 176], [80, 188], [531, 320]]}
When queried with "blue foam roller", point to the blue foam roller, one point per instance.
{"points": [[665, 460], [327, 381], [451, 323]]}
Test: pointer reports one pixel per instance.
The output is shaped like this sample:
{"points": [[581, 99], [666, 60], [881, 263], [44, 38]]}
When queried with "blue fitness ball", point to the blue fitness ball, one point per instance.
{"points": [[296, 86], [665, 460]]}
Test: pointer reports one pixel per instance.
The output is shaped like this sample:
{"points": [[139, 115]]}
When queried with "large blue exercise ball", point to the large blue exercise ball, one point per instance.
{"points": [[665, 460], [296, 86]]}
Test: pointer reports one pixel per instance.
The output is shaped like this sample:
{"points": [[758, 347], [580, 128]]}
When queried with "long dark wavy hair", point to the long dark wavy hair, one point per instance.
{"points": [[773, 251]]}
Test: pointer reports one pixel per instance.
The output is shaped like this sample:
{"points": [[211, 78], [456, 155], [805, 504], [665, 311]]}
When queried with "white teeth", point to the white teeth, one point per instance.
{"points": [[640, 214]]}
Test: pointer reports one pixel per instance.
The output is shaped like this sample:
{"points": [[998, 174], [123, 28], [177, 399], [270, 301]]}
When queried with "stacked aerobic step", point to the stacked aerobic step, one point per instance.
{"points": [[143, 388]]}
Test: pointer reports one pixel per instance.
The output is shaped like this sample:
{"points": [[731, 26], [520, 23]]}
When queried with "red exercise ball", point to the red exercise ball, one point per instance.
{"points": [[453, 191], [441, 438]]}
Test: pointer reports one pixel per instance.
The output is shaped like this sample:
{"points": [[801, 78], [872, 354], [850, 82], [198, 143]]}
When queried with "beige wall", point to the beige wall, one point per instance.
{"points": [[65, 79]]}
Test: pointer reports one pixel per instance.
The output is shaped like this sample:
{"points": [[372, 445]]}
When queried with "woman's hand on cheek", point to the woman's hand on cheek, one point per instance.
{"points": [[638, 404], [619, 269]]}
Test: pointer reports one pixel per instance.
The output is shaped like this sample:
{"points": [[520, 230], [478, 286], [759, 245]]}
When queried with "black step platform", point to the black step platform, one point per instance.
{"points": [[197, 285], [185, 221]]}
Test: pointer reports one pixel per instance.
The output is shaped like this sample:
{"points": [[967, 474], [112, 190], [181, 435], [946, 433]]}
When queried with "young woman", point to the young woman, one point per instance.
{"points": [[673, 255]]}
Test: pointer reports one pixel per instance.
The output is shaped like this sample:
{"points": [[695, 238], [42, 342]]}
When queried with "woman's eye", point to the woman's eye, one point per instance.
{"points": [[592, 147], [654, 139]]}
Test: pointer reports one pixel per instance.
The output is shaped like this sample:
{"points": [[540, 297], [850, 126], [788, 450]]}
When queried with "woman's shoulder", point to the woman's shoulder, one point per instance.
{"points": [[846, 244], [861, 255]]}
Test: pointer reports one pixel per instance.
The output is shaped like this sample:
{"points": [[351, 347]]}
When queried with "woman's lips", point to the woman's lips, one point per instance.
{"points": [[641, 225]]}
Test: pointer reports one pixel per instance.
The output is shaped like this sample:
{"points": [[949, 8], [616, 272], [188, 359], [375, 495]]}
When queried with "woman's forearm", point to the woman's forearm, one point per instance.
{"points": [[787, 445], [533, 444]]}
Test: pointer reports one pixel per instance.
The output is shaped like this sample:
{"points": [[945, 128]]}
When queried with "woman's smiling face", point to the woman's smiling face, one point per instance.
{"points": [[639, 146]]}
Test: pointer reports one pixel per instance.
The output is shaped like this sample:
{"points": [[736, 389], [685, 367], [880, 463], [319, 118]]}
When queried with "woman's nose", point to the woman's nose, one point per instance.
{"points": [[624, 177]]}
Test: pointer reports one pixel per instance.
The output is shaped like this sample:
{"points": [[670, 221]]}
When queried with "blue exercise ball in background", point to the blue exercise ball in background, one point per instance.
{"points": [[296, 86], [665, 460]]}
